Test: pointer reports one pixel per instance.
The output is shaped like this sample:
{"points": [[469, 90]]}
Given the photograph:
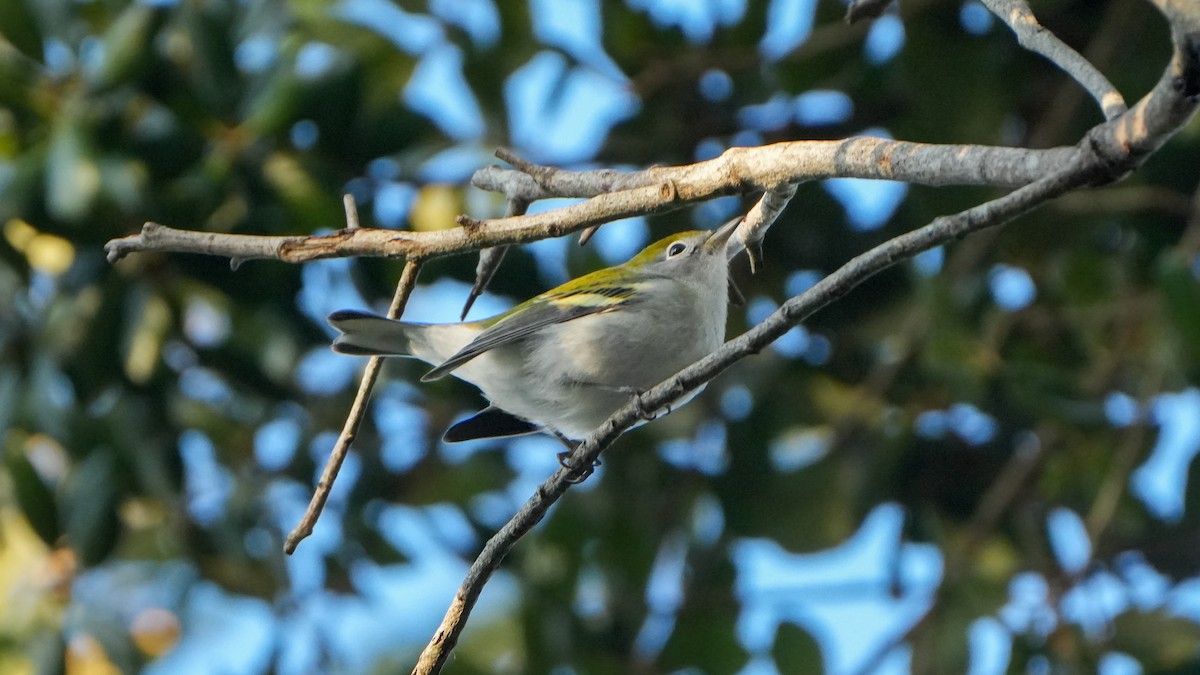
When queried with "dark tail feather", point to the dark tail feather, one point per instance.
{"points": [[491, 422], [367, 334]]}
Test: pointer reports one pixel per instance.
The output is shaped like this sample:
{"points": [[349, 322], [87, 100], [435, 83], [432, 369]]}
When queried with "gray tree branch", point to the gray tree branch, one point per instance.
{"points": [[736, 171], [490, 259], [759, 219]]}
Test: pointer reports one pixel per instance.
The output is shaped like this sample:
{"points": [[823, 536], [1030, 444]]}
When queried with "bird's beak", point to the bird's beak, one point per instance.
{"points": [[720, 236]]}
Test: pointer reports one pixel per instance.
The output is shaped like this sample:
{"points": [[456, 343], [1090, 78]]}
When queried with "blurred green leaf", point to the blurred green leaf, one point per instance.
{"points": [[10, 382], [200, 42], [795, 650], [72, 172], [88, 505], [708, 640], [1160, 641], [19, 26], [36, 499], [1181, 296], [20, 79], [126, 44], [274, 105]]}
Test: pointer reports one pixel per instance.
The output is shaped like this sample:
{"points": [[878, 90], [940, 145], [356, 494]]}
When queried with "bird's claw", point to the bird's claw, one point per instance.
{"points": [[578, 475], [754, 251], [644, 411]]}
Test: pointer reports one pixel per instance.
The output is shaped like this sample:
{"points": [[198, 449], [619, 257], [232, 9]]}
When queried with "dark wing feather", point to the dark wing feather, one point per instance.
{"points": [[544, 310]]}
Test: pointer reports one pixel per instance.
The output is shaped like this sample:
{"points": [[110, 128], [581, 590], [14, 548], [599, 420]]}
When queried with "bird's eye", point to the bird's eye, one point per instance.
{"points": [[675, 249]]}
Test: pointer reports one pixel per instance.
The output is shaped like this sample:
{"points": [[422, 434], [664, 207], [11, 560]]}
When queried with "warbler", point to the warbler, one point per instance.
{"points": [[564, 361]]}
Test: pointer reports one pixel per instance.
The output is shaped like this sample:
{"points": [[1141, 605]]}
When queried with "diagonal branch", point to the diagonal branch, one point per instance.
{"points": [[1034, 37], [865, 9], [490, 259], [404, 288], [760, 218]]}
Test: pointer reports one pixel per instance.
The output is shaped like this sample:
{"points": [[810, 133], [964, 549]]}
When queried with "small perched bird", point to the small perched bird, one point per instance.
{"points": [[565, 360]]}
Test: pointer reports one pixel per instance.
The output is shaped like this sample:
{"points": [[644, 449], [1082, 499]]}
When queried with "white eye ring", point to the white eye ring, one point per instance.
{"points": [[676, 248]]}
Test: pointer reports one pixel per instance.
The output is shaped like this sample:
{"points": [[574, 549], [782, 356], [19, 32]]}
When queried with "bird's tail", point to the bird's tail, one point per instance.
{"points": [[367, 334]]}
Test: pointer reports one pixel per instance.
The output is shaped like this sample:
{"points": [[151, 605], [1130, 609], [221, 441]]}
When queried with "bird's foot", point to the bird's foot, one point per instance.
{"points": [[578, 474], [644, 411]]}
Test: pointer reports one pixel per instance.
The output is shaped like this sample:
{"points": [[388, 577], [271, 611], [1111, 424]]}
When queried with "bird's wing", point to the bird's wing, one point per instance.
{"points": [[556, 306]]}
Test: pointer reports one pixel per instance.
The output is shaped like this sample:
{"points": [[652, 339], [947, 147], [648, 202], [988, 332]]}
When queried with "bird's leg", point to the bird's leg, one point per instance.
{"points": [[636, 394], [736, 297], [578, 475]]}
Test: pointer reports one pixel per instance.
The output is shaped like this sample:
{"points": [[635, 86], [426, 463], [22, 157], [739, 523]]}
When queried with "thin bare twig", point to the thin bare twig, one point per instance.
{"points": [[490, 259], [760, 218], [1120, 21], [404, 288], [530, 181], [485, 269], [1129, 450], [1032, 36], [1128, 200], [351, 208], [865, 9]]}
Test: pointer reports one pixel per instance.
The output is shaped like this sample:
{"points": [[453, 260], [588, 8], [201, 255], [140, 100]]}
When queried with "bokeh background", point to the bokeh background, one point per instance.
{"points": [[979, 461]]}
